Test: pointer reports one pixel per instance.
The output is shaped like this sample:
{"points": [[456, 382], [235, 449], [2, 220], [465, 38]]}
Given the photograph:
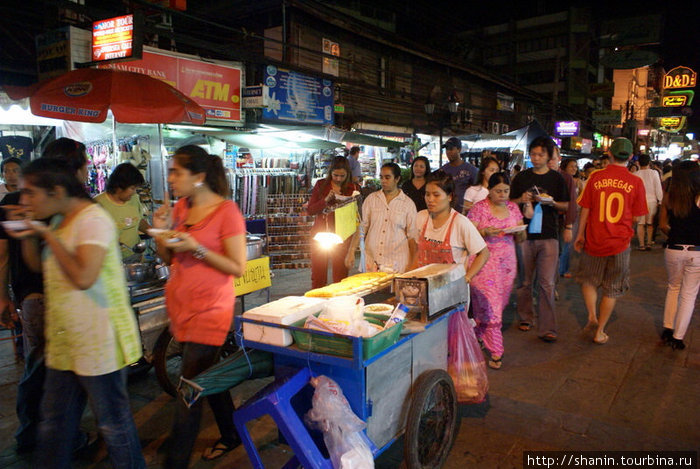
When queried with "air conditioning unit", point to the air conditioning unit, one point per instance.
{"points": [[505, 128], [467, 115], [493, 127]]}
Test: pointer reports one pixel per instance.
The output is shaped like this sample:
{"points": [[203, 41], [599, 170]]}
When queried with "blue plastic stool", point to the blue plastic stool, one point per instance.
{"points": [[275, 400]]}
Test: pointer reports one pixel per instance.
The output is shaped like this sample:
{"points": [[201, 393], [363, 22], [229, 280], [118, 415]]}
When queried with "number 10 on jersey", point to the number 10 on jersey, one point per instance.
{"points": [[606, 207]]}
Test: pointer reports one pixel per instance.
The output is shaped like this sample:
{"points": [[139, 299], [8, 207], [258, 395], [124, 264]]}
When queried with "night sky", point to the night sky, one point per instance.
{"points": [[680, 37]]}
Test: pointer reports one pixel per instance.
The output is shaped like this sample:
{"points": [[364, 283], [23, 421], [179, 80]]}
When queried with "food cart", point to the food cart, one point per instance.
{"points": [[400, 387]]}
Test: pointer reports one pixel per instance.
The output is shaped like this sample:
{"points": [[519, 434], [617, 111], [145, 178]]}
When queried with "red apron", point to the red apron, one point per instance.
{"points": [[435, 252]]}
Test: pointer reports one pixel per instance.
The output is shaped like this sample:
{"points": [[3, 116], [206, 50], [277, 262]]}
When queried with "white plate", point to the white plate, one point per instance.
{"points": [[15, 225], [155, 232], [515, 229]]}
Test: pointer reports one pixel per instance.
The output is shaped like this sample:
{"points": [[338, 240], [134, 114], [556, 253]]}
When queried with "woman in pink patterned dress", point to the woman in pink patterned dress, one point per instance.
{"points": [[491, 287]]}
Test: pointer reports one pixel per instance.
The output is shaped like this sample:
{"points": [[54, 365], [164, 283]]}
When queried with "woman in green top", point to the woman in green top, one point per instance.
{"points": [[123, 205], [91, 331]]}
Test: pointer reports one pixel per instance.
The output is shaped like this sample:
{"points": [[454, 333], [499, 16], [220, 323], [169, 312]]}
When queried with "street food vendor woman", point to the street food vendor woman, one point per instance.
{"points": [[338, 182], [444, 235]]}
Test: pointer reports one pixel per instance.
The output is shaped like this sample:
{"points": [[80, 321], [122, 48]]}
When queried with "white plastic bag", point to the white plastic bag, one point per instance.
{"points": [[347, 309], [331, 413]]}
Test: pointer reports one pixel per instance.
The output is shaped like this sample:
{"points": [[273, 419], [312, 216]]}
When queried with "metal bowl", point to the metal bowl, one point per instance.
{"points": [[135, 272], [162, 272], [254, 247]]}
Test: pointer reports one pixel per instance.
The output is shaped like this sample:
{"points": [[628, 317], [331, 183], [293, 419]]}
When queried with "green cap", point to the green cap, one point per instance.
{"points": [[621, 148]]}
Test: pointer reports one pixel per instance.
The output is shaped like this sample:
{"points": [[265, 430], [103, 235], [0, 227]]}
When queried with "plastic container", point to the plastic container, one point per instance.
{"points": [[342, 345]]}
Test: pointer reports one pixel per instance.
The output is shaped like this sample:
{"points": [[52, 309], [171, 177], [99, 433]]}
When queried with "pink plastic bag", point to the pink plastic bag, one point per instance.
{"points": [[466, 364]]}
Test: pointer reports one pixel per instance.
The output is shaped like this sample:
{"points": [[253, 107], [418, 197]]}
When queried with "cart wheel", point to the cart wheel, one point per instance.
{"points": [[167, 361], [431, 423]]}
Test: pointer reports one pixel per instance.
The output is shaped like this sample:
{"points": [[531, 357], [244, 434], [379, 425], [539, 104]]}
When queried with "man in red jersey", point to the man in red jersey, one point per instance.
{"points": [[609, 202]]}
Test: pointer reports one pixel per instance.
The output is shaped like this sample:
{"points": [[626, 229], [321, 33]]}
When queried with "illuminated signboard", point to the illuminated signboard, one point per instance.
{"points": [[674, 101], [670, 121], [116, 38], [680, 77], [567, 128], [214, 86]]}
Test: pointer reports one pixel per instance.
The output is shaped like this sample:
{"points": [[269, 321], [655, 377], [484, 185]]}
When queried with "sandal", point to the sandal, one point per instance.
{"points": [[525, 326], [218, 450], [549, 337], [495, 363]]}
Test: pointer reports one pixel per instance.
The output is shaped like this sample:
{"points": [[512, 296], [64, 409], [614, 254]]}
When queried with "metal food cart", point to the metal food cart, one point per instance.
{"points": [[402, 390]]}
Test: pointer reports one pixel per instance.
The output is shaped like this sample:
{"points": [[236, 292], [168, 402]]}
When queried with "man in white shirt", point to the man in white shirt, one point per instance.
{"points": [[389, 225], [652, 185]]}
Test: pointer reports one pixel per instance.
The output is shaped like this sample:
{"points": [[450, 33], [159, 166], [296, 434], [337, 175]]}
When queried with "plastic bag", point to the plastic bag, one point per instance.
{"points": [[347, 309], [331, 413], [466, 364]]}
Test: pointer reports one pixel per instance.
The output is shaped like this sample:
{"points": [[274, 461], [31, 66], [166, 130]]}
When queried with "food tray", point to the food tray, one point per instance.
{"points": [[341, 345]]}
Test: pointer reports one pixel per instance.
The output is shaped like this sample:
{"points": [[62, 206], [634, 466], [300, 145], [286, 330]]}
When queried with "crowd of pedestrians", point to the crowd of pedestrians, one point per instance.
{"points": [[80, 333]]}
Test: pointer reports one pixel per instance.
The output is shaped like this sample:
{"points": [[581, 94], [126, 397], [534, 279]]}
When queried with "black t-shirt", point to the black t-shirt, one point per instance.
{"points": [[551, 183], [23, 280], [685, 230], [416, 195]]}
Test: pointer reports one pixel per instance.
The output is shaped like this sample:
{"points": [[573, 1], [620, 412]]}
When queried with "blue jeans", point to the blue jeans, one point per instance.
{"points": [[564, 258], [30, 387], [65, 395]]}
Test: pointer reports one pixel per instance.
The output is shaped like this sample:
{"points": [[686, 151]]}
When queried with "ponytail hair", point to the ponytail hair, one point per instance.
{"points": [[198, 161]]}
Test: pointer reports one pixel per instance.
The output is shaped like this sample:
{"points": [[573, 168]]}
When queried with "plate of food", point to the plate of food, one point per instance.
{"points": [[378, 308], [515, 229], [169, 236], [15, 225]]}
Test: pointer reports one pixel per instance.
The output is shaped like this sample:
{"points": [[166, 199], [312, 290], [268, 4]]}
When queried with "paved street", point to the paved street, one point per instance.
{"points": [[630, 394]]}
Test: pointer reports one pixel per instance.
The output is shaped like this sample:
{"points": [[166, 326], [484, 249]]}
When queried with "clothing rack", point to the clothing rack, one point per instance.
{"points": [[252, 186], [102, 158], [288, 228]]}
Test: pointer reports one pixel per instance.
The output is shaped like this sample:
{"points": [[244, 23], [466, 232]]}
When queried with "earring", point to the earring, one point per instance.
{"points": [[198, 184]]}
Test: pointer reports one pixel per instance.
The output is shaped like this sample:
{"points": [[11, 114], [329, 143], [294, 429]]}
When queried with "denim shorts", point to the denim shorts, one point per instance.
{"points": [[611, 273]]}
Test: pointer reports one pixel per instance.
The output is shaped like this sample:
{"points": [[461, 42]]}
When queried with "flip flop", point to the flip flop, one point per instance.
{"points": [[495, 363], [525, 326], [549, 337], [602, 341], [218, 450]]}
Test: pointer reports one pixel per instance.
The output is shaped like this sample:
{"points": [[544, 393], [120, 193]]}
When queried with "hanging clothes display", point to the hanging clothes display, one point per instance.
{"points": [[252, 186]]}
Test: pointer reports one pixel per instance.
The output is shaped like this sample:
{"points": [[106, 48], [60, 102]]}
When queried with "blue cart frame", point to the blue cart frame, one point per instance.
{"points": [[380, 390]]}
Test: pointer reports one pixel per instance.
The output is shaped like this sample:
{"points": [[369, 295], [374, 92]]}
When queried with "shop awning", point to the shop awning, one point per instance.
{"points": [[327, 134], [266, 140]]}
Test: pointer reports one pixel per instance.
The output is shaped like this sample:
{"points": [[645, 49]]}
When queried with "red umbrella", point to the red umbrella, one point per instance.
{"points": [[86, 94]]}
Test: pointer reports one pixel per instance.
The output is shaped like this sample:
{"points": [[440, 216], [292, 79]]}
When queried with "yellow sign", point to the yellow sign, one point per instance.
{"points": [[670, 121], [256, 276], [674, 101], [346, 220], [680, 77]]}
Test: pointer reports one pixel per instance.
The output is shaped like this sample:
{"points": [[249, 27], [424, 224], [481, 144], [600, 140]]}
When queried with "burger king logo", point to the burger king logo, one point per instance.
{"points": [[75, 90]]}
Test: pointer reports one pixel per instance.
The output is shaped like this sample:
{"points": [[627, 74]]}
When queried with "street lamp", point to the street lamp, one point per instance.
{"points": [[444, 115]]}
